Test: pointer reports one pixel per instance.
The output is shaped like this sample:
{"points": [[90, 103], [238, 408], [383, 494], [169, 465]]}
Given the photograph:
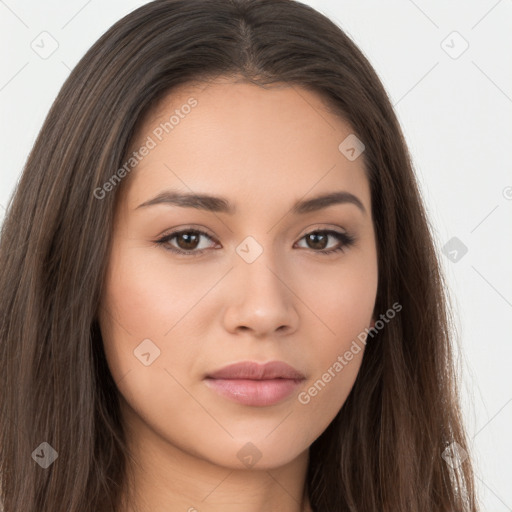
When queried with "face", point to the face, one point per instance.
{"points": [[194, 286]]}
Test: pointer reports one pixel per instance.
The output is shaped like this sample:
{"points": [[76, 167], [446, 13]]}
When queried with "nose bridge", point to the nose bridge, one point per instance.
{"points": [[258, 265], [261, 299]]}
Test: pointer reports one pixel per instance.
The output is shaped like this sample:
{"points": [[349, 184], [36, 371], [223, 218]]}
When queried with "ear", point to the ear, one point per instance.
{"points": [[372, 324]]}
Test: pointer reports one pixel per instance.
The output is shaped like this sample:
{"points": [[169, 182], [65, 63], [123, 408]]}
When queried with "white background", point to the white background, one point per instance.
{"points": [[457, 117]]}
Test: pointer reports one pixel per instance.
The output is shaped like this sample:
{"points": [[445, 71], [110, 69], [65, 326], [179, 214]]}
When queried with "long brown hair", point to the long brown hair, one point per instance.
{"points": [[384, 450]]}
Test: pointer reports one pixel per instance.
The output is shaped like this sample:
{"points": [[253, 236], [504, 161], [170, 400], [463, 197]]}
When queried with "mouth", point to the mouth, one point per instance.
{"points": [[251, 383]]}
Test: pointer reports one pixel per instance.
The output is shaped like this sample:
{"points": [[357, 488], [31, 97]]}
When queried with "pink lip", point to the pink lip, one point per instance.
{"points": [[254, 384]]}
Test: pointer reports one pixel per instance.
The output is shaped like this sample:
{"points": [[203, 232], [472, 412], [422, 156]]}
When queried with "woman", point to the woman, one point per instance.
{"points": [[219, 286]]}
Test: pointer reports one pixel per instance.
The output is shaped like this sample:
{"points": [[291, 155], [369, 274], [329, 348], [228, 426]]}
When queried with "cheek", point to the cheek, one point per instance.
{"points": [[342, 298], [337, 357], [145, 296], [142, 301], [344, 301]]}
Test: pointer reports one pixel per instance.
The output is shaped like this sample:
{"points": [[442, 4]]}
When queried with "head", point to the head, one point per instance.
{"points": [[267, 105], [256, 286]]}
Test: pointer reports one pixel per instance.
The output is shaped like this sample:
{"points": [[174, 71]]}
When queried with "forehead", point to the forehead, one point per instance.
{"points": [[244, 141]]}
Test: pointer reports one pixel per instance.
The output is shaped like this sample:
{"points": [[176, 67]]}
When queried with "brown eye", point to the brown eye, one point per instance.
{"points": [[318, 241], [185, 241]]}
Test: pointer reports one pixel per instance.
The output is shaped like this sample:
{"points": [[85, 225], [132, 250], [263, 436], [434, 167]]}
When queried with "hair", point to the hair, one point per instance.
{"points": [[383, 450]]}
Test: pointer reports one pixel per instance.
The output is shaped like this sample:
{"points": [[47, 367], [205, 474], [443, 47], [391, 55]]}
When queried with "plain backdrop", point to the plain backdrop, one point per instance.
{"points": [[447, 69]]}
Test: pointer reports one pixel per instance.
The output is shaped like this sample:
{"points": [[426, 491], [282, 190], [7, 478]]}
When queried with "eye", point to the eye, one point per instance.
{"points": [[318, 239], [188, 241]]}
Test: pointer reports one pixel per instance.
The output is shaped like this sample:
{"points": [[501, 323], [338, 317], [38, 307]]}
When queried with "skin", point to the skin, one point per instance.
{"points": [[263, 149]]}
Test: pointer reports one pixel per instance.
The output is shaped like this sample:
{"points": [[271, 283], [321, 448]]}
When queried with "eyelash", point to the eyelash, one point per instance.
{"points": [[346, 239]]}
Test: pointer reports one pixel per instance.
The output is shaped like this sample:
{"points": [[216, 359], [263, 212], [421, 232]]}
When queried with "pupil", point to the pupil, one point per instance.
{"points": [[188, 237], [316, 236]]}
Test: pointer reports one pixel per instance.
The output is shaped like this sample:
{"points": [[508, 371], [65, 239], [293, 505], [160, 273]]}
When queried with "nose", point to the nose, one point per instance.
{"points": [[261, 300]]}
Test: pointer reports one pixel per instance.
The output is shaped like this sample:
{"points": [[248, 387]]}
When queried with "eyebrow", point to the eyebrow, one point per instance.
{"points": [[222, 205]]}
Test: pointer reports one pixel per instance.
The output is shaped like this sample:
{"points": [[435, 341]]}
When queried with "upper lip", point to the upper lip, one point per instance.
{"points": [[257, 371]]}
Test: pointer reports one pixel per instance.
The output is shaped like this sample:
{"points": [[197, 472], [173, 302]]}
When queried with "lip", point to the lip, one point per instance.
{"points": [[255, 384]]}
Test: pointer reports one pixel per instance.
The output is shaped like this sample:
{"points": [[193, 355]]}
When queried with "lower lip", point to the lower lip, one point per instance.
{"points": [[257, 393]]}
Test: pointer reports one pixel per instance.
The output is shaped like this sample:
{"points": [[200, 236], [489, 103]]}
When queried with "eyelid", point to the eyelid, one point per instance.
{"points": [[322, 227], [189, 227], [199, 228]]}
